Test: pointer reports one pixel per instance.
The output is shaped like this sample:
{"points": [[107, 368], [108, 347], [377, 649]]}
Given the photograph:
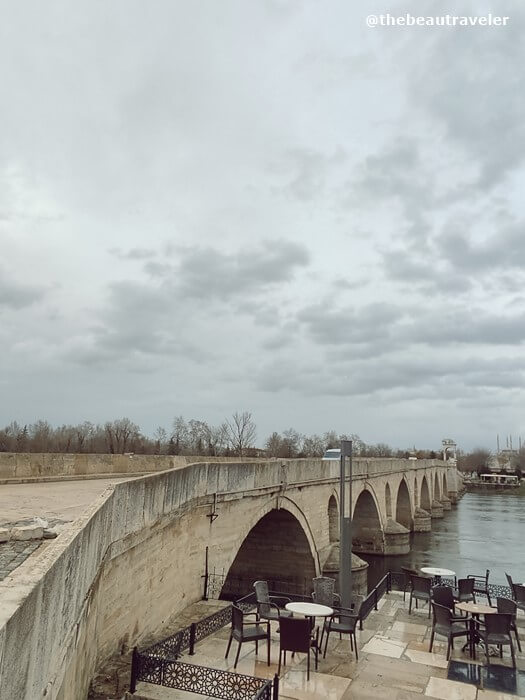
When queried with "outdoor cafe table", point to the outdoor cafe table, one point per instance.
{"points": [[475, 609], [438, 573], [311, 610]]}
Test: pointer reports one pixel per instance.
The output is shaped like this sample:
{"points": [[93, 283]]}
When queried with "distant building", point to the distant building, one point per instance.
{"points": [[449, 448]]}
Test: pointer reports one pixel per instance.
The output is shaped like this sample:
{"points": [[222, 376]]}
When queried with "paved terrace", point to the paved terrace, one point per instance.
{"points": [[394, 664], [58, 503]]}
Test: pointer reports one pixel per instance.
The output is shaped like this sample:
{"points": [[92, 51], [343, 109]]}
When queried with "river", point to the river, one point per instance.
{"points": [[486, 530]]}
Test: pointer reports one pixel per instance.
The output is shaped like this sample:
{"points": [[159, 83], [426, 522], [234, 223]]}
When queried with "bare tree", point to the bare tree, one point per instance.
{"points": [[313, 446], [240, 432], [161, 438], [477, 459], [120, 434]]}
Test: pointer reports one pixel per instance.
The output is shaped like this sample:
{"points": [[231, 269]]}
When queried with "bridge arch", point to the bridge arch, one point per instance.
{"points": [[276, 546], [388, 500], [367, 530], [444, 489], [404, 506], [424, 499], [333, 520]]}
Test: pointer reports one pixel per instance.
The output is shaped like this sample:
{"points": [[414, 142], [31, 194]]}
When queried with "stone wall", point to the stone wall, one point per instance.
{"points": [[24, 465]]}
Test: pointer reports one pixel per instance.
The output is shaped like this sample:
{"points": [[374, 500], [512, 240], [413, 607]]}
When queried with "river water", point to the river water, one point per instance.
{"points": [[486, 530]]}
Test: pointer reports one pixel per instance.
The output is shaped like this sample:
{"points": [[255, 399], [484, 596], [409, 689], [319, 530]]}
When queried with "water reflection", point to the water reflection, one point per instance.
{"points": [[484, 531]]}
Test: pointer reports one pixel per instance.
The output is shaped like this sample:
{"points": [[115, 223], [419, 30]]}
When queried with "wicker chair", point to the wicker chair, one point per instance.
{"points": [[247, 632], [509, 607], [466, 588], [408, 583], [421, 590], [444, 595], [324, 591], [481, 584], [448, 626], [297, 634], [495, 630], [344, 621], [269, 607], [511, 585], [519, 592]]}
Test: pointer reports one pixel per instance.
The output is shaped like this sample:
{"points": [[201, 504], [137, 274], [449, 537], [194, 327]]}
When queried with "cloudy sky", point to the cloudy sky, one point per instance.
{"points": [[263, 205]]}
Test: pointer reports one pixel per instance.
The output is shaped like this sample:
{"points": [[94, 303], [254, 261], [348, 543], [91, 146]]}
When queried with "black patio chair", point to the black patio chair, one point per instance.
{"points": [[466, 588], [445, 624], [495, 630], [344, 621], [509, 607], [511, 585], [421, 590], [408, 572], [298, 634], [250, 631], [269, 607], [324, 591], [481, 584], [444, 595], [519, 592]]}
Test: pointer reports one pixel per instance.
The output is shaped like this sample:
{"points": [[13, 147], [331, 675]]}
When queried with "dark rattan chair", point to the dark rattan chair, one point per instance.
{"points": [[408, 583], [243, 631], [444, 595], [297, 634], [344, 621], [269, 607], [421, 590], [495, 630], [445, 624], [511, 585], [519, 592], [509, 607], [466, 588], [324, 591], [481, 584]]}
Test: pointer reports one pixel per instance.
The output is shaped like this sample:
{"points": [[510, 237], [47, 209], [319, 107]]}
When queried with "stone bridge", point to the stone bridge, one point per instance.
{"points": [[121, 573]]}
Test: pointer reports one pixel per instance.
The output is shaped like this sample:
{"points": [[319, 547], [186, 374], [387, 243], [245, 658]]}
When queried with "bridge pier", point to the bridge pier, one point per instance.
{"points": [[359, 570], [453, 496], [446, 503], [397, 538], [436, 510], [422, 520]]}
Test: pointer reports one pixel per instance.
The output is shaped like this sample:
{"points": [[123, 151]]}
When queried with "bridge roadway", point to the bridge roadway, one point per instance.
{"points": [[122, 571]]}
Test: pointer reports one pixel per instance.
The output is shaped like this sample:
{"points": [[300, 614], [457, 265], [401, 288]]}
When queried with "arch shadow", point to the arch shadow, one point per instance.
{"points": [[276, 549]]}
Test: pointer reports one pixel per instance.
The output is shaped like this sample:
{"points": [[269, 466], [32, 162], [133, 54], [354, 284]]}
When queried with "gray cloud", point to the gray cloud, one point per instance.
{"points": [[17, 295], [323, 214]]}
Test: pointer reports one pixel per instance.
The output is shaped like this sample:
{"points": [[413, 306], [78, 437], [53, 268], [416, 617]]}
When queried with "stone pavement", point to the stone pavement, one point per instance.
{"points": [[63, 500], [394, 664], [13, 553], [58, 503]]}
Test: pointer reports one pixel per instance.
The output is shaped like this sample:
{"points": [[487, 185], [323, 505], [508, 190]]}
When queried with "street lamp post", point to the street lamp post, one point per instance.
{"points": [[345, 523]]}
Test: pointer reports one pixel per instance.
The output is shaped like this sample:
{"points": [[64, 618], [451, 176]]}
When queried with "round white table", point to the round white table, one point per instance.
{"points": [[309, 609], [435, 571]]}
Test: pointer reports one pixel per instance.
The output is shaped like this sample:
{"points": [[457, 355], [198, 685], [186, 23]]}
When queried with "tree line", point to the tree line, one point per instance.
{"points": [[235, 436], [482, 461]]}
